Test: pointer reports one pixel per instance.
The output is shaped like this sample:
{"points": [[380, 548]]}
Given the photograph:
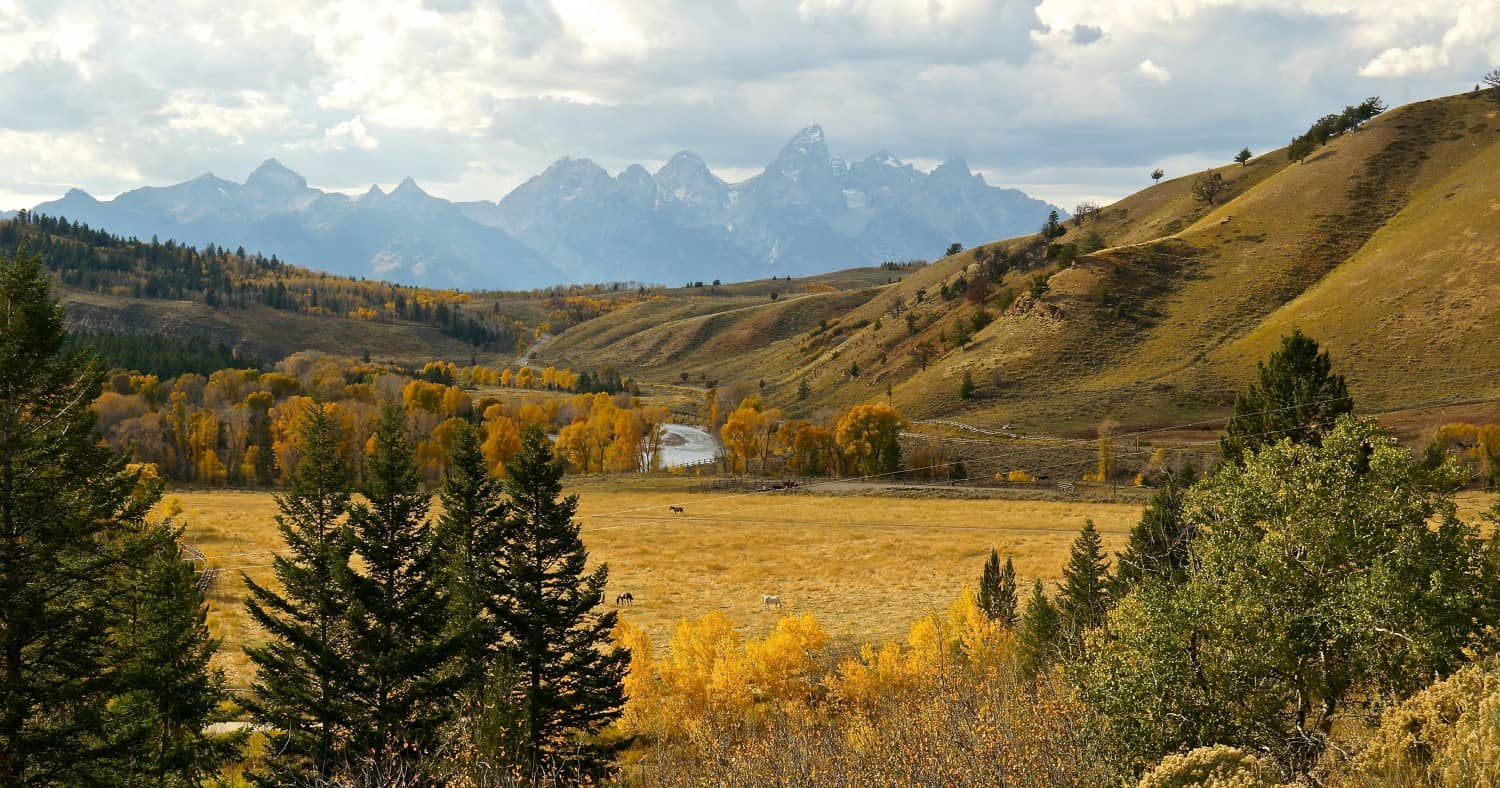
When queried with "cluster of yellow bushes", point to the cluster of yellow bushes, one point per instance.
{"points": [[709, 671], [941, 708]]}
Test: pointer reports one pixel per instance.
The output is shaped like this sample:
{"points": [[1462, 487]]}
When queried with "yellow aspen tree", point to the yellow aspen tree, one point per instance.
{"points": [[502, 441]]}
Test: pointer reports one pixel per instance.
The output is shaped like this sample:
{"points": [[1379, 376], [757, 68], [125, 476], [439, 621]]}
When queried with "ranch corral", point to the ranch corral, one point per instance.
{"points": [[866, 566]]}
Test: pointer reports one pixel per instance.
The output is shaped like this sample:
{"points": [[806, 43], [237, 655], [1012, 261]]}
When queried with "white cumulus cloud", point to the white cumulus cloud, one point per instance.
{"points": [[1153, 71], [471, 97]]}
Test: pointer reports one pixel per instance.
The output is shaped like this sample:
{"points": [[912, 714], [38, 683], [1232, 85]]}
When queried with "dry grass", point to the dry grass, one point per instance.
{"points": [[865, 566]]}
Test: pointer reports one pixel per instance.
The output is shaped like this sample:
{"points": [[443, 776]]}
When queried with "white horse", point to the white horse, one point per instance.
{"points": [[770, 600]]}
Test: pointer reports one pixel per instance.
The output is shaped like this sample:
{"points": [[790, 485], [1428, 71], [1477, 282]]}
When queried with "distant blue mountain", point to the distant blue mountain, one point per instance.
{"points": [[406, 236], [807, 212]]}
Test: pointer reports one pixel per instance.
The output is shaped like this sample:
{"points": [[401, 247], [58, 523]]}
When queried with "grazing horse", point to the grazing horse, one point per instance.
{"points": [[677, 509], [770, 600], [625, 599]]}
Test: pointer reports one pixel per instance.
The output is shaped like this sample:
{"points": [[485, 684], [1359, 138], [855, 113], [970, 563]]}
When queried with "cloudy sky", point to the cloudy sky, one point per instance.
{"points": [[1067, 99]]}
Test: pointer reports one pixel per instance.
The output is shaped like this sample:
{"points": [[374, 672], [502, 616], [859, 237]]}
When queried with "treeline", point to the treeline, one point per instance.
{"points": [[98, 262], [239, 426], [165, 357], [862, 439], [1330, 126], [400, 649]]}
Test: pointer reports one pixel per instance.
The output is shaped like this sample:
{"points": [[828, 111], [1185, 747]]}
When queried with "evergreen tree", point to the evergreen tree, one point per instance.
{"points": [[1158, 546], [168, 693], [803, 390], [966, 386], [997, 591], [64, 501], [400, 686], [1084, 600], [1295, 396], [1005, 603], [989, 586], [469, 535], [1037, 640], [568, 677], [298, 692], [1243, 157]]}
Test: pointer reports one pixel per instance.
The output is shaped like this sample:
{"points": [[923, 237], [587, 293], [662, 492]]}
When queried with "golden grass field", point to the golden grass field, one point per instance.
{"points": [[865, 566]]}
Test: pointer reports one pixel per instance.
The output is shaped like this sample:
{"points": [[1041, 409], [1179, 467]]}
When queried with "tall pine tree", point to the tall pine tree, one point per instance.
{"points": [[1037, 639], [568, 676], [298, 692], [989, 585], [400, 685], [168, 693], [65, 501], [1005, 604], [1295, 396], [997, 591], [1084, 600], [1159, 544], [470, 532]]}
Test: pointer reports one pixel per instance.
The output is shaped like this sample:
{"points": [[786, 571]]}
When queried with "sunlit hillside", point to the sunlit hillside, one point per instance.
{"points": [[1384, 245]]}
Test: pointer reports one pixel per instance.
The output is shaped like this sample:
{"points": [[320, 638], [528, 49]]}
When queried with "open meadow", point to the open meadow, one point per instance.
{"points": [[865, 566]]}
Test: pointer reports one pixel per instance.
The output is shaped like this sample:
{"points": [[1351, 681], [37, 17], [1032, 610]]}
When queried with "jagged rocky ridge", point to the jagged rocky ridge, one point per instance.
{"points": [[807, 212]]}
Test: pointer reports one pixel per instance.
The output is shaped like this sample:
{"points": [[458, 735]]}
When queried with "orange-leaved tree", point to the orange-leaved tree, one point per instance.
{"points": [[868, 436]]}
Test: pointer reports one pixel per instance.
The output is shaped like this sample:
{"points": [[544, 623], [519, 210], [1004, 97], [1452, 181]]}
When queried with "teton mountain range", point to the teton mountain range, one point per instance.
{"points": [[807, 212]]}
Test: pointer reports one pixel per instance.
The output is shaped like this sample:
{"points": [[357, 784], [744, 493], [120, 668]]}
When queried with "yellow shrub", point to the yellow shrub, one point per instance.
{"points": [[1448, 734], [783, 666], [1218, 766]]}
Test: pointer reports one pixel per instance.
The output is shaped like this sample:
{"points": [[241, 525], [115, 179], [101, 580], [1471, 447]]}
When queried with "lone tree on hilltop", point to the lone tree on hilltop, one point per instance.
{"points": [[1243, 157], [1208, 186], [1492, 79], [1295, 396], [1157, 175], [953, 249]]}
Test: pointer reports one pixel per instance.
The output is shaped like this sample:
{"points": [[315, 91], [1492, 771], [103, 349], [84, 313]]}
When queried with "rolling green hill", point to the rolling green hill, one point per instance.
{"points": [[1384, 245]]}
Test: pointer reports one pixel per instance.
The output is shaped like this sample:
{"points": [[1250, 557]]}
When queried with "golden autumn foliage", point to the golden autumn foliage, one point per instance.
{"points": [[867, 435], [1447, 734], [709, 672], [608, 438], [943, 708], [240, 426], [1218, 766]]}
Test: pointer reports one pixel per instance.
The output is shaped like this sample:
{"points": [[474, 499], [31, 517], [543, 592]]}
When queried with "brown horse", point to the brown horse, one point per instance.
{"points": [[625, 599]]}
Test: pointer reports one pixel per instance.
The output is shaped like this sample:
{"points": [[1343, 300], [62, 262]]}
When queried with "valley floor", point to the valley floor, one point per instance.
{"points": [[865, 565]]}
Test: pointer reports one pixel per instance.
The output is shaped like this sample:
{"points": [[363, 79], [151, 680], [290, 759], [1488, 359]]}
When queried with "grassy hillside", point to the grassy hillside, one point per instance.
{"points": [[266, 333], [1384, 245], [734, 332]]}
